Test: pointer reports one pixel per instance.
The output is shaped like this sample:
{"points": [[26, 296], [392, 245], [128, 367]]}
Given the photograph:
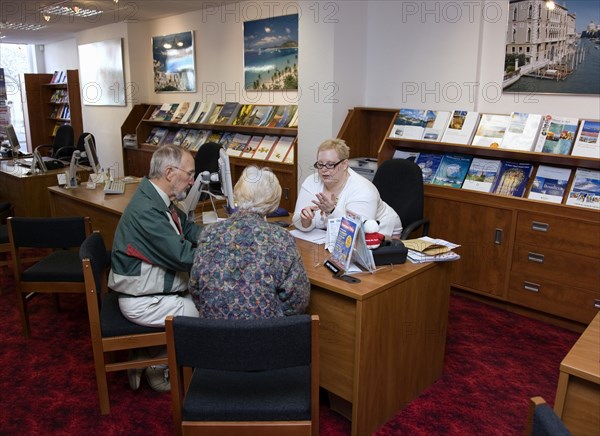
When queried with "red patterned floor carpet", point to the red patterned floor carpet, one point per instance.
{"points": [[495, 361]]}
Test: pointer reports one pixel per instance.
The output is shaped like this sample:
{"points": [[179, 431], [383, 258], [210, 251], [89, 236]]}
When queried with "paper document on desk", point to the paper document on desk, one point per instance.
{"points": [[427, 249], [316, 236]]}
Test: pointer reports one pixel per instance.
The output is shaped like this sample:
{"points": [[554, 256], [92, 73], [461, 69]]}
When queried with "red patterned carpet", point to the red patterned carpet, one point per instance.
{"points": [[495, 361]]}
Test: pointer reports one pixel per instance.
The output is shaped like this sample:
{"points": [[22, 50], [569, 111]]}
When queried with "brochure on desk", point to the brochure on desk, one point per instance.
{"points": [[350, 246]]}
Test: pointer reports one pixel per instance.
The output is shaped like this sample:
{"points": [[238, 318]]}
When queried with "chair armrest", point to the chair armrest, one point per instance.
{"points": [[45, 149], [413, 226], [64, 153]]}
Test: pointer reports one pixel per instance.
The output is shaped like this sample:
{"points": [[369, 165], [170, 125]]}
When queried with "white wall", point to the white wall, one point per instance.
{"points": [[422, 54]]}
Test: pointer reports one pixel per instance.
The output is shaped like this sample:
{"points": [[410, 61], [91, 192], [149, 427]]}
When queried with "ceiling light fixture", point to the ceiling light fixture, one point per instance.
{"points": [[76, 9], [550, 5], [46, 17]]}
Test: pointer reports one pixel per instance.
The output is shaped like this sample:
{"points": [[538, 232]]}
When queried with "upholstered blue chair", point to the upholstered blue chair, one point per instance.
{"points": [[244, 377], [110, 331], [57, 272], [542, 421]]}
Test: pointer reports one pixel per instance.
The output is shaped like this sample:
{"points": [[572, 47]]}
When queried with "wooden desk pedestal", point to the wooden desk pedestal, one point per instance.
{"points": [[578, 392], [382, 341]]}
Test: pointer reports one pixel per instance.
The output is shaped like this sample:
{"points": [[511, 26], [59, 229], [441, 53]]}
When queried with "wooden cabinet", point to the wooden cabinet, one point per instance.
{"points": [[49, 105], [137, 161], [541, 256]]}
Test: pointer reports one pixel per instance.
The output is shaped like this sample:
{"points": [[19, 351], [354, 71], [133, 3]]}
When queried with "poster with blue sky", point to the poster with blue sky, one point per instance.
{"points": [[271, 53]]}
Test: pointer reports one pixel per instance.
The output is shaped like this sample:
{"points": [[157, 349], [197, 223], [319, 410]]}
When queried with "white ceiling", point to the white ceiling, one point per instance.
{"points": [[62, 27]]}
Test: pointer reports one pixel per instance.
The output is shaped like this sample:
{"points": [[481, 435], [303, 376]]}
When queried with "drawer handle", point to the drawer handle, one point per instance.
{"points": [[535, 257], [540, 227], [597, 304], [533, 287], [498, 236]]}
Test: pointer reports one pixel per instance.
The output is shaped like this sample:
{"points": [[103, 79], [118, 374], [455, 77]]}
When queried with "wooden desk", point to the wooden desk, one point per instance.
{"points": [[578, 393], [104, 210], [28, 193], [381, 341]]}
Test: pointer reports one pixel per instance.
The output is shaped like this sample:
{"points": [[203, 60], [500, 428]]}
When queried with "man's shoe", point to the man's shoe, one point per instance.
{"points": [[158, 378], [135, 377]]}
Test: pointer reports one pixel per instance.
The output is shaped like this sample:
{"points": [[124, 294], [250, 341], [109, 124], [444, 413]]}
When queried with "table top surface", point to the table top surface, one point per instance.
{"points": [[584, 358], [16, 170]]}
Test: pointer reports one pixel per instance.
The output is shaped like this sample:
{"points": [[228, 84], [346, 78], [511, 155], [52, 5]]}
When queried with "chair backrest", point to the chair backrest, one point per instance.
{"points": [[64, 139], [94, 250], [542, 421], [207, 159], [51, 232], [243, 345]]}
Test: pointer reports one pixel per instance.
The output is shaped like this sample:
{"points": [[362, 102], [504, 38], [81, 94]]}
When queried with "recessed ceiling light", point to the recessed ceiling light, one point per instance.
{"points": [[21, 26]]}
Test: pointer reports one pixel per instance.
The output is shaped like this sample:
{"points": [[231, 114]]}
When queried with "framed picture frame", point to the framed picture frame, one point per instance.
{"points": [[104, 85], [552, 48], [271, 53], [174, 64]]}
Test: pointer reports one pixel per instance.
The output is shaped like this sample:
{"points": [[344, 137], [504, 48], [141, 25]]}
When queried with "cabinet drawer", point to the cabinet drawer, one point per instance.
{"points": [[581, 237], [544, 295], [557, 266]]}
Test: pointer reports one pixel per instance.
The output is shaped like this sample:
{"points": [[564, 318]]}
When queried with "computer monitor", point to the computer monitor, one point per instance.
{"points": [[13, 141], [37, 161], [225, 178], [90, 152]]}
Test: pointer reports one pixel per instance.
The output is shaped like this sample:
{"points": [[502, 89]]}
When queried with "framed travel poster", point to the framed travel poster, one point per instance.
{"points": [[271, 53], [174, 62]]}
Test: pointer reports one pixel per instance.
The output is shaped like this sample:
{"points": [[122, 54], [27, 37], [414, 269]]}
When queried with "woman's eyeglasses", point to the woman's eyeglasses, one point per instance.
{"points": [[329, 166]]}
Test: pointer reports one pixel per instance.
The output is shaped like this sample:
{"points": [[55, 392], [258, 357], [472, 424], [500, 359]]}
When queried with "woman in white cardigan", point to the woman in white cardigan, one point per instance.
{"points": [[335, 188]]}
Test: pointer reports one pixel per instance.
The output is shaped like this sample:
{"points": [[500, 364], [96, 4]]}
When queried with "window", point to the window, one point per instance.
{"points": [[14, 58]]}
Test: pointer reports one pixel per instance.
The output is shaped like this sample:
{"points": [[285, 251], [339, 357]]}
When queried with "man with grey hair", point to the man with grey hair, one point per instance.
{"points": [[153, 248]]}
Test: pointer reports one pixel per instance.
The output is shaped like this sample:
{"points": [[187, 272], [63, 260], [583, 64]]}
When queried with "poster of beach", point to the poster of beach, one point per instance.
{"points": [[271, 53]]}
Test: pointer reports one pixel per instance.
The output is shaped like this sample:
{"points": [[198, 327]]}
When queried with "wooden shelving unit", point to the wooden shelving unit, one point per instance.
{"points": [[40, 107], [537, 255], [137, 161]]}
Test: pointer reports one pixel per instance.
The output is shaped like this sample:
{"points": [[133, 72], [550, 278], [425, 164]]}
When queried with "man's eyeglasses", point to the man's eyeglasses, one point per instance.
{"points": [[190, 173], [329, 166]]}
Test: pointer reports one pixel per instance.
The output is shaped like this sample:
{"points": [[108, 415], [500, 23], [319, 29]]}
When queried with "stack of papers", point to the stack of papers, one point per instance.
{"points": [[427, 249]]}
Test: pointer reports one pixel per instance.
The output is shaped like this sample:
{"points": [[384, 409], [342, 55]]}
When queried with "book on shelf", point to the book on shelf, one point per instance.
{"points": [[169, 137], [257, 115], [512, 178], [215, 137], [522, 132], [157, 135], [429, 163], [452, 170], [215, 114], [557, 135], [190, 139], [549, 184], [409, 124], [204, 113], [288, 114], [226, 139], [276, 116], [281, 149], [243, 114], [490, 130], [228, 113], [290, 157], [461, 127], [265, 147], [251, 147], [294, 119], [171, 111], [585, 191], [402, 154], [482, 174], [180, 112], [587, 143], [237, 144], [436, 125], [202, 139], [160, 113], [180, 136], [191, 112]]}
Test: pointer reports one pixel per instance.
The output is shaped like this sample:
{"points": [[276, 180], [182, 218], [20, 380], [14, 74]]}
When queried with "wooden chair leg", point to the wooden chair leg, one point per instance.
{"points": [[24, 315]]}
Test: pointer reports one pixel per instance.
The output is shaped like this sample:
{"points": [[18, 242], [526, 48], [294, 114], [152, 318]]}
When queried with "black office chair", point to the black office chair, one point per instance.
{"points": [[257, 376], [207, 159], [400, 184], [542, 421], [63, 146]]}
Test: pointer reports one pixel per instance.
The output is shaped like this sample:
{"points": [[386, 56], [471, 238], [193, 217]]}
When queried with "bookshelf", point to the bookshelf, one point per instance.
{"points": [[539, 256], [50, 105], [137, 160]]}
